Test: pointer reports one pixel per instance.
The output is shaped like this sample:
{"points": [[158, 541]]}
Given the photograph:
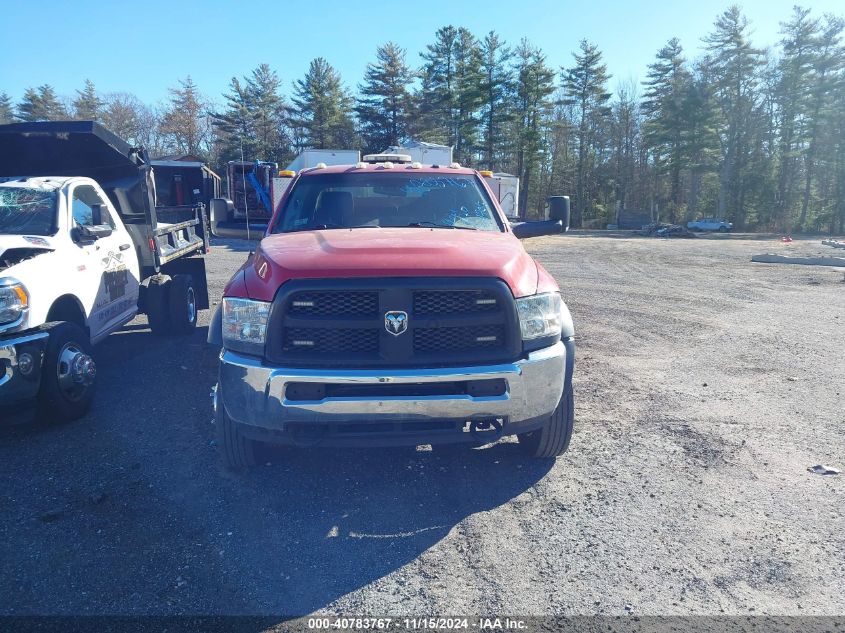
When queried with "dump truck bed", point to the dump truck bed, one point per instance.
{"points": [[86, 148]]}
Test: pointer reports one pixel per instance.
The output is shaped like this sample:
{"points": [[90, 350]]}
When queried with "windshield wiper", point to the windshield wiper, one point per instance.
{"points": [[435, 225], [323, 227]]}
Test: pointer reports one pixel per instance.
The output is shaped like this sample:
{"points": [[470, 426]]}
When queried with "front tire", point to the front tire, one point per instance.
{"points": [[552, 439], [68, 374], [238, 452], [158, 304]]}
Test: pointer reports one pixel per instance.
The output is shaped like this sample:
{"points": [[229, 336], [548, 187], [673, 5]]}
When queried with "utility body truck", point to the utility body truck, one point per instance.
{"points": [[391, 303], [83, 250]]}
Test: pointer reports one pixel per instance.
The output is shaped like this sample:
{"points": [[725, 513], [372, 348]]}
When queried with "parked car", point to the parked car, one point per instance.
{"points": [[710, 224], [393, 304], [83, 249]]}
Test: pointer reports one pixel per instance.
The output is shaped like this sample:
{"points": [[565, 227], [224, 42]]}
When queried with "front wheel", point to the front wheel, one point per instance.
{"points": [[552, 439], [68, 374], [723, 229], [237, 450]]}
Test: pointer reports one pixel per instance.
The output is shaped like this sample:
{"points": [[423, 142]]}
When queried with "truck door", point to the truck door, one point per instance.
{"points": [[110, 266]]}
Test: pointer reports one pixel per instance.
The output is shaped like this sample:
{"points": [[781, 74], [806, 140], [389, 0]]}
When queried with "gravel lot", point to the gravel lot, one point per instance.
{"points": [[705, 387]]}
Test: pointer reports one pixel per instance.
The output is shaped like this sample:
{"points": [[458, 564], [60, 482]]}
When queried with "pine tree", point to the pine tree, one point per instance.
{"points": [[323, 108], [734, 65], [41, 104], [535, 84], [184, 124], [794, 69], [437, 97], [468, 95], [384, 104], [7, 113], [667, 84], [87, 106], [497, 91], [253, 123], [825, 93], [585, 84]]}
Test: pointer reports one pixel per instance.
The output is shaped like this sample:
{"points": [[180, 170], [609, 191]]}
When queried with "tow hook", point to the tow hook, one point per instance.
{"points": [[481, 430]]}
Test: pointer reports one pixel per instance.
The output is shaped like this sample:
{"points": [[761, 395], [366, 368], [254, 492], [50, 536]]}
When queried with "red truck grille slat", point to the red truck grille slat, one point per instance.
{"points": [[341, 323]]}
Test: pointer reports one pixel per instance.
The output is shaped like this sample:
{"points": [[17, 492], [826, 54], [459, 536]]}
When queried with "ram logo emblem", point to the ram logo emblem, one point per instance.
{"points": [[396, 322]]}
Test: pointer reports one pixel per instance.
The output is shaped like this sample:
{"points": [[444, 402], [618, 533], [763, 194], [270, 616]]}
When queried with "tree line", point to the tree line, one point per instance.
{"points": [[753, 135]]}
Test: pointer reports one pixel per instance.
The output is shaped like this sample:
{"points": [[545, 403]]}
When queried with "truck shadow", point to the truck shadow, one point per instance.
{"points": [[160, 528]]}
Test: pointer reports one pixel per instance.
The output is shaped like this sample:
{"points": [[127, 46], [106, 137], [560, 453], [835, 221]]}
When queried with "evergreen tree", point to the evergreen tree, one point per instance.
{"points": [[41, 104], [7, 113], [535, 84], [824, 98], [87, 105], [323, 108], [469, 95], [184, 124], [734, 65], [437, 97], [497, 90], [794, 70], [585, 84], [384, 104], [253, 124], [666, 86]]}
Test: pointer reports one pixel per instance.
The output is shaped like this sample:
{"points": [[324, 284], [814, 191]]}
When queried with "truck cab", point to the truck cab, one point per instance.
{"points": [[83, 250], [391, 303]]}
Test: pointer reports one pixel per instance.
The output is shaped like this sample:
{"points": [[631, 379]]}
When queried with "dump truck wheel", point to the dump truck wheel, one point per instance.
{"points": [[68, 374], [552, 439], [238, 452], [158, 304], [182, 306]]}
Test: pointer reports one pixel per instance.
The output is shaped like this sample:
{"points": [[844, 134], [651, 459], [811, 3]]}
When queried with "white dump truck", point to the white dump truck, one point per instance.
{"points": [[83, 250]]}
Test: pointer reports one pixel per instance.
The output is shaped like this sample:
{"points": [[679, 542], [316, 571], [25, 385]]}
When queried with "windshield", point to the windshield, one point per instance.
{"points": [[27, 211], [339, 201]]}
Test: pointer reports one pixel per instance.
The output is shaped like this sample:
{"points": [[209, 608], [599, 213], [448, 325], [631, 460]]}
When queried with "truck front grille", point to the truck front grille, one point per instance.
{"points": [[341, 323]]}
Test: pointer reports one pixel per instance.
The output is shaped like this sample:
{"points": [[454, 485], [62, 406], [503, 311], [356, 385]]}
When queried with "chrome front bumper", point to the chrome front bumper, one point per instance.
{"points": [[255, 394], [17, 386]]}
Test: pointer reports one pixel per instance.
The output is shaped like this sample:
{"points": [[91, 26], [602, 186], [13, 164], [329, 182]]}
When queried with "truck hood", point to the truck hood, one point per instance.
{"points": [[17, 248], [389, 252]]}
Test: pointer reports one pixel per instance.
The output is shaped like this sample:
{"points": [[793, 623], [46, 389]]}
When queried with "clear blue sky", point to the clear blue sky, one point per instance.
{"points": [[144, 47]]}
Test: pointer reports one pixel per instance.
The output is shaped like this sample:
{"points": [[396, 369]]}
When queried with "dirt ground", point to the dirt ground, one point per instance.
{"points": [[705, 387]]}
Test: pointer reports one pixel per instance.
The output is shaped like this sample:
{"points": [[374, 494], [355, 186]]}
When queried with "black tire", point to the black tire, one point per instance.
{"points": [[238, 452], [67, 378], [552, 439], [158, 304], [723, 229], [182, 306]]}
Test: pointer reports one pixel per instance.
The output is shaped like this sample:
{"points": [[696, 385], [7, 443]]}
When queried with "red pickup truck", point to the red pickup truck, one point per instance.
{"points": [[393, 304]]}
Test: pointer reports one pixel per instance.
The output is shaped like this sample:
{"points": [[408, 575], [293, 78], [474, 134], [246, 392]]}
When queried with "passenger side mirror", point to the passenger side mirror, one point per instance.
{"points": [[524, 230], [559, 210]]}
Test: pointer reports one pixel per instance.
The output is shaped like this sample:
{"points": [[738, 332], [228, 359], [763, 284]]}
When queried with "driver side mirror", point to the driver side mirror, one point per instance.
{"points": [[92, 233], [559, 210]]}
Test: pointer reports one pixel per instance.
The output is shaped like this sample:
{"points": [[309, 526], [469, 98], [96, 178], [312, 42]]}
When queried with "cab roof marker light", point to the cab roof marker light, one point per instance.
{"points": [[287, 173], [416, 165], [455, 166], [320, 166], [388, 165], [360, 165], [486, 173]]}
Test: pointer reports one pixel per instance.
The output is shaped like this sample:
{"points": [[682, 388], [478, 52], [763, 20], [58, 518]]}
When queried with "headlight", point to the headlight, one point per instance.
{"points": [[539, 315], [245, 325], [14, 301]]}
